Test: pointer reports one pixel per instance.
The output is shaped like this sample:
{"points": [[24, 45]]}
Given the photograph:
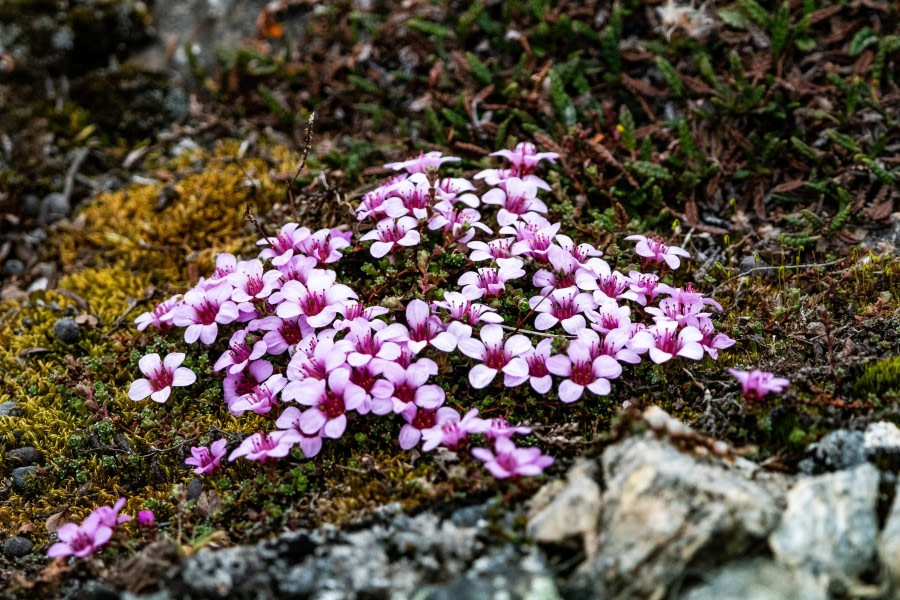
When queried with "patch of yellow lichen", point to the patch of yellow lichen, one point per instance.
{"points": [[97, 444]]}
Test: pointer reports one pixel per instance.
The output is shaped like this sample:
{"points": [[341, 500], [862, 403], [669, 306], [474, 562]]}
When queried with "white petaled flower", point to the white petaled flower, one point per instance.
{"points": [[162, 376]]}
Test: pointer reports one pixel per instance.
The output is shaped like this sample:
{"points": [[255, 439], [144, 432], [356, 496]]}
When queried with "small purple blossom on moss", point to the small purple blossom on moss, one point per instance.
{"points": [[654, 250], [263, 447], [146, 519], [757, 384], [109, 515], [162, 375], [207, 460], [81, 540], [509, 461]]}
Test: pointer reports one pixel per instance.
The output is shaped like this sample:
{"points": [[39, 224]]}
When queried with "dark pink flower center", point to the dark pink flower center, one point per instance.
{"points": [[517, 204], [500, 249], [363, 378], [612, 286], [404, 393], [668, 342], [290, 331], [332, 405], [487, 276], [254, 285], [537, 365], [206, 312], [81, 541], [582, 372], [240, 352], [390, 233], [160, 379], [563, 307], [314, 303], [507, 461], [496, 357], [425, 419]]}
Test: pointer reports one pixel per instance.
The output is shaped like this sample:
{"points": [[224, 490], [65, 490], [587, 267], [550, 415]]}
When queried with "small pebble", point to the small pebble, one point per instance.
{"points": [[9, 409], [21, 479], [67, 330], [54, 207], [13, 266], [194, 489], [24, 456], [17, 547]]}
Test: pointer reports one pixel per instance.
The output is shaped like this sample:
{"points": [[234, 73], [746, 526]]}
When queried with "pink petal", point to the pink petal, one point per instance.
{"points": [[183, 376], [335, 427], [569, 391], [481, 376], [312, 420], [140, 389]]}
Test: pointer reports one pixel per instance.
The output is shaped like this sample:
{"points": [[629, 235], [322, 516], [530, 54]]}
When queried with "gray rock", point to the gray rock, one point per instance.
{"points": [[54, 206], [390, 557], [756, 266], [17, 547], [31, 204], [830, 525], [573, 511], [67, 330], [505, 576], [881, 444], [758, 579], [889, 543], [13, 266], [665, 511], [24, 456], [9, 409], [840, 449], [194, 488], [21, 479]]}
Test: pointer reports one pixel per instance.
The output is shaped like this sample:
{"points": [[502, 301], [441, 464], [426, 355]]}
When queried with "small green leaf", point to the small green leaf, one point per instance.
{"points": [[843, 140], [864, 38], [670, 75], [626, 120], [734, 17], [479, 70], [650, 170]]}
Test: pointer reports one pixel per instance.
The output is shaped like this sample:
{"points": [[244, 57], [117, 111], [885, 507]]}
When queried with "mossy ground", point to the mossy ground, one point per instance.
{"points": [[770, 154]]}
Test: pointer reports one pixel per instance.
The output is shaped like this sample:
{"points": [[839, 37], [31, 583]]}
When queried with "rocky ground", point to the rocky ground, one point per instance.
{"points": [[764, 136]]}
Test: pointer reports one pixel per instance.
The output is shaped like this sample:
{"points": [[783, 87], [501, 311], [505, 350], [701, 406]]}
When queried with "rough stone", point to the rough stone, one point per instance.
{"points": [[830, 525], [20, 478], [505, 576], [24, 456], [13, 266], [665, 511], [17, 547], [573, 512], [889, 543], [840, 449], [758, 579], [54, 206], [67, 330], [10, 409], [881, 444], [391, 557], [194, 488]]}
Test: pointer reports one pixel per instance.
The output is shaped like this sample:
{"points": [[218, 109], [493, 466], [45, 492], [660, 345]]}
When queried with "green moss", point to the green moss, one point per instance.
{"points": [[879, 378]]}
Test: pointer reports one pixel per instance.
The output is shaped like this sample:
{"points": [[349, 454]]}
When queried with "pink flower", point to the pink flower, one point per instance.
{"points": [[563, 274], [240, 354], [379, 345], [534, 235], [391, 234], [757, 384], [330, 405], [425, 329], [712, 342], [162, 375], [289, 421], [644, 287], [463, 309], [283, 246], [456, 189], [161, 315], [491, 281], [423, 163], [538, 375], [654, 250], [263, 447], [580, 252], [492, 250], [81, 540], [261, 399], [499, 427], [325, 245], [225, 266], [597, 276], [459, 225], [297, 268], [412, 196], [372, 204], [402, 387], [316, 357], [525, 157], [515, 198], [146, 519], [583, 366], [663, 343], [283, 334], [207, 460], [203, 310], [563, 306], [510, 461], [496, 355], [683, 313], [318, 300], [242, 383], [608, 316], [419, 419], [452, 433], [109, 515], [251, 283]]}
